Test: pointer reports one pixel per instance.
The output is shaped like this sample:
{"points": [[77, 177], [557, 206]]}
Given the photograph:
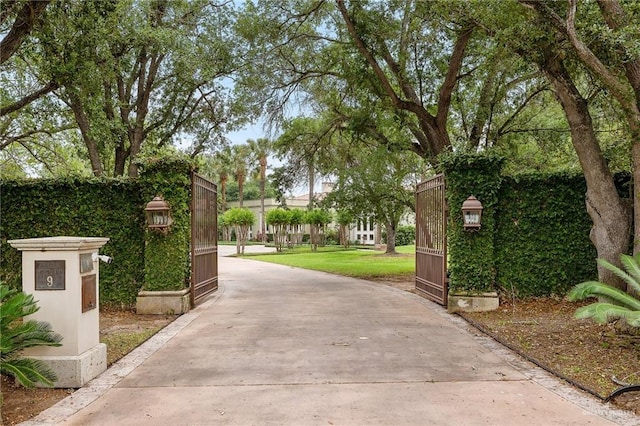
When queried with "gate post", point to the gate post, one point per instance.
{"points": [[471, 254], [166, 267]]}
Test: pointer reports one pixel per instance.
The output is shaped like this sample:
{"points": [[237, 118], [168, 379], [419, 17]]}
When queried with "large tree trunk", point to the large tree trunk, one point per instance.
{"points": [[21, 28], [616, 19], [610, 215], [223, 192], [391, 237], [240, 188], [85, 131]]}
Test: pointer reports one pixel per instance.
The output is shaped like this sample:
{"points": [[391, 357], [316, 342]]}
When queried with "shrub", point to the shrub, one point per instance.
{"points": [[17, 335], [613, 303], [318, 220], [279, 219]]}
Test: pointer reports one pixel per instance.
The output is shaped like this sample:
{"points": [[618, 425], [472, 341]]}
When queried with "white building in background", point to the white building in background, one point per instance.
{"points": [[364, 231]]}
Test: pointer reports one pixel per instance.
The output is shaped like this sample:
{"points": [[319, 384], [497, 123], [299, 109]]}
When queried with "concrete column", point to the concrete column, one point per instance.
{"points": [[62, 274]]}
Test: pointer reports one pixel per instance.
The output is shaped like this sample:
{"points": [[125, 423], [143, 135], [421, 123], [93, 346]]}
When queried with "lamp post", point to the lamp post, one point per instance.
{"points": [[158, 213], [471, 213]]}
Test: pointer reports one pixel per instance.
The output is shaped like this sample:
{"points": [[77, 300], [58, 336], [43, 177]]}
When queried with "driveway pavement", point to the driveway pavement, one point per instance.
{"points": [[283, 346]]}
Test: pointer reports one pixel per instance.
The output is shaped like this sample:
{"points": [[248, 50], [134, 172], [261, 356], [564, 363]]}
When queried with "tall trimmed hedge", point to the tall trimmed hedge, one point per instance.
{"points": [[542, 239], [78, 207], [534, 239], [166, 256], [471, 254], [113, 208]]}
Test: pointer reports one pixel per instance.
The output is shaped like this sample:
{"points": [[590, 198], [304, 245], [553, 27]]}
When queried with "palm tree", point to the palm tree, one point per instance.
{"points": [[223, 167], [240, 158], [261, 149]]}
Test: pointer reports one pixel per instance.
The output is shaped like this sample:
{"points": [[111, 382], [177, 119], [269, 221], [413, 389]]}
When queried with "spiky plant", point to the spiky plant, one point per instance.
{"points": [[612, 303], [17, 334]]}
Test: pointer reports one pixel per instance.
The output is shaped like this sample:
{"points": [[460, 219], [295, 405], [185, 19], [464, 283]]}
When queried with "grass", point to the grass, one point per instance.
{"points": [[365, 264], [121, 343]]}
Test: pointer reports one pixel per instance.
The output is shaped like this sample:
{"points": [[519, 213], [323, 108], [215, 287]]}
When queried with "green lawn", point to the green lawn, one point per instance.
{"points": [[364, 264]]}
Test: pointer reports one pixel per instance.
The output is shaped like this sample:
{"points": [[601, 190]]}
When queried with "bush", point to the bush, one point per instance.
{"points": [[16, 335], [614, 303], [241, 219]]}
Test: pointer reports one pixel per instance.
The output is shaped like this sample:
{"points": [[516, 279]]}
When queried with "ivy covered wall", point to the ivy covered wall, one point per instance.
{"points": [[534, 239], [542, 239], [471, 254], [78, 207], [166, 255], [113, 208]]}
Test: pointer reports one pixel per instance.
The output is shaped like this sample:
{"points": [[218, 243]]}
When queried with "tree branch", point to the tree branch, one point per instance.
{"points": [[455, 63], [21, 27], [50, 87]]}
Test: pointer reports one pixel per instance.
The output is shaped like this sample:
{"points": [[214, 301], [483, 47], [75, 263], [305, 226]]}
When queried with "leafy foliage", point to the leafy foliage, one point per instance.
{"points": [[535, 228], [613, 303], [91, 207], [471, 262], [112, 208], [166, 256], [241, 219], [16, 335], [278, 219], [542, 220], [317, 219]]}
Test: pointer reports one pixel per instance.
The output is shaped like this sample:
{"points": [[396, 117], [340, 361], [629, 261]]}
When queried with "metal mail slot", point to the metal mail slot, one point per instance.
{"points": [[89, 299]]}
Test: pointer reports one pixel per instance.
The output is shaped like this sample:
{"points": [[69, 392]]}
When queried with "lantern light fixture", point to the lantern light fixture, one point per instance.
{"points": [[472, 213], [158, 213]]}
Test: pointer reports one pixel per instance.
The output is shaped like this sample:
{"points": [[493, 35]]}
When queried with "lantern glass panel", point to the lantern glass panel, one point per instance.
{"points": [[472, 217]]}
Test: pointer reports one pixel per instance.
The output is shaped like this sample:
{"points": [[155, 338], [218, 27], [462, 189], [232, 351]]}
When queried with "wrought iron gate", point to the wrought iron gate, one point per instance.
{"points": [[204, 238], [431, 240]]}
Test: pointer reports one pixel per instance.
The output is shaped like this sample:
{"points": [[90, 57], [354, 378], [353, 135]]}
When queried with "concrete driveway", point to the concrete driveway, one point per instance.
{"points": [[283, 346]]}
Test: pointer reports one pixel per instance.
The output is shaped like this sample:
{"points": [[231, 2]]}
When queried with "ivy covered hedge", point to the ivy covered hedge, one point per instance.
{"points": [[471, 254], [542, 239], [166, 257], [534, 239], [78, 207], [113, 208]]}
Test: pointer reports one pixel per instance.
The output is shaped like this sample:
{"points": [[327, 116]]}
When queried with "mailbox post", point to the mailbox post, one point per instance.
{"points": [[62, 274]]}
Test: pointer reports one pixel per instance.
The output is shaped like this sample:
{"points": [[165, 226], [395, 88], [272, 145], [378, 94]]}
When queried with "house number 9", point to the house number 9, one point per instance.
{"points": [[49, 281]]}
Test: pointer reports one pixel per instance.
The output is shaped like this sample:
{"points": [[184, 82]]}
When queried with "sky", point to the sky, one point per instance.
{"points": [[249, 131]]}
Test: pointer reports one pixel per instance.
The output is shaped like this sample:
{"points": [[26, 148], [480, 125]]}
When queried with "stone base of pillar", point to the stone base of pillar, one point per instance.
{"points": [[163, 302], [473, 302], [76, 371]]}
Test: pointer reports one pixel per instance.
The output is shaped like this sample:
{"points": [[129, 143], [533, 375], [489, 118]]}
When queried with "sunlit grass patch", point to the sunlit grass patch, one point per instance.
{"points": [[365, 264]]}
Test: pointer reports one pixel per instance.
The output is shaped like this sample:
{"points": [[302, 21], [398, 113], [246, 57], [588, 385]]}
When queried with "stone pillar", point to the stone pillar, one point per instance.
{"points": [[62, 275]]}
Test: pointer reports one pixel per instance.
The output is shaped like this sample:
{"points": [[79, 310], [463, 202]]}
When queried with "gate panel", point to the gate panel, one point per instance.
{"points": [[431, 240], [204, 238]]}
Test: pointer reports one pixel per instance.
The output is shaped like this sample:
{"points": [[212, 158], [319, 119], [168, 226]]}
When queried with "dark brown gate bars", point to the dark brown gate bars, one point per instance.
{"points": [[431, 240], [204, 238]]}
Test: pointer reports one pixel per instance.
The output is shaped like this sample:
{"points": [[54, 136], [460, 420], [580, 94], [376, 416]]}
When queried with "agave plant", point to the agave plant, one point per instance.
{"points": [[612, 303], [17, 334]]}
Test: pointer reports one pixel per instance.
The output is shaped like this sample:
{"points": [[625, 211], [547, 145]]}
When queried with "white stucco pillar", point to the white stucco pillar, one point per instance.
{"points": [[62, 274]]}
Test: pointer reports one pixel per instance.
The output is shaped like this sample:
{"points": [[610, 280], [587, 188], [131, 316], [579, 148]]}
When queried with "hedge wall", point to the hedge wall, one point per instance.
{"points": [[542, 239], [110, 208], [534, 239], [166, 256], [471, 254], [91, 208]]}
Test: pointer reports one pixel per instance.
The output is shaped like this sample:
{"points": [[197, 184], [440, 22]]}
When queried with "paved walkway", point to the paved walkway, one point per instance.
{"points": [[284, 346]]}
